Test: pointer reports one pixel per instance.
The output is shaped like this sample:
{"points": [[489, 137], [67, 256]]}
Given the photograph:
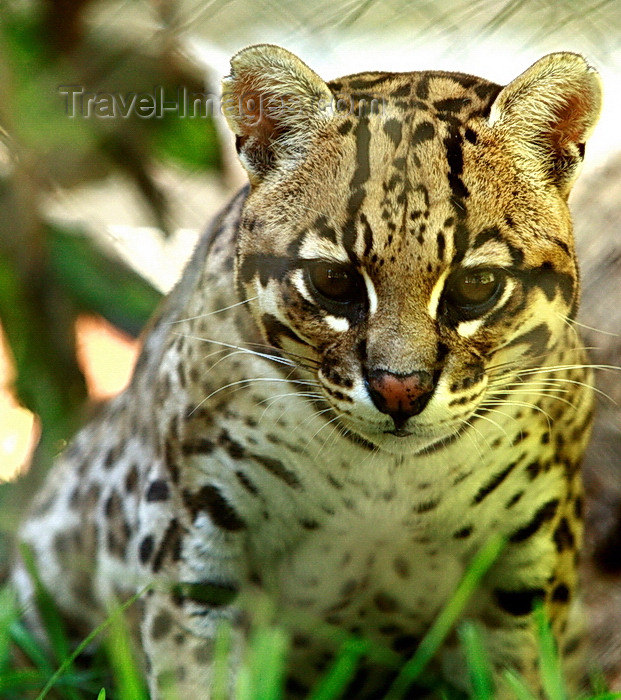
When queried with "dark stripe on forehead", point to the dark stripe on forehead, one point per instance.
{"points": [[455, 158], [324, 229], [487, 234], [360, 177], [363, 139], [368, 235], [266, 266]]}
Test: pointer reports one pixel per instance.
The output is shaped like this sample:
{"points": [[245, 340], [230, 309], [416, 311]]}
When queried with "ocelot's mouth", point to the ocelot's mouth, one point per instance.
{"points": [[399, 432]]}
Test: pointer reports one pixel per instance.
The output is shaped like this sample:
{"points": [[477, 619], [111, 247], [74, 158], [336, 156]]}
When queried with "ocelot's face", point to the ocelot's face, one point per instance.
{"points": [[417, 286]]}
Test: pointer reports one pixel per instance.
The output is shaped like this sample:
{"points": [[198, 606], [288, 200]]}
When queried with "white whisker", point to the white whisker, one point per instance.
{"points": [[211, 313]]}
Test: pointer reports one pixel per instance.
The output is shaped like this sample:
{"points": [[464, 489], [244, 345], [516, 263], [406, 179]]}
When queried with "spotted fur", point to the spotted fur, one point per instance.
{"points": [[368, 368]]}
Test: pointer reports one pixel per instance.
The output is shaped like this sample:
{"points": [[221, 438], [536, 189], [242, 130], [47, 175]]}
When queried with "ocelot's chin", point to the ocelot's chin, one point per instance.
{"points": [[401, 441]]}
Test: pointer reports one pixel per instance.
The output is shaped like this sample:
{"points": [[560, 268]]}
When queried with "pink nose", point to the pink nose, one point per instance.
{"points": [[400, 396]]}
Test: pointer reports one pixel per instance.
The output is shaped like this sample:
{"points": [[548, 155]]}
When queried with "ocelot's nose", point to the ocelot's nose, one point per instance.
{"points": [[401, 396]]}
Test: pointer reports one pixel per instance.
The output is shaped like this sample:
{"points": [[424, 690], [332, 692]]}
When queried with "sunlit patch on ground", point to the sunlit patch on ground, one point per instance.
{"points": [[19, 429], [106, 358]]}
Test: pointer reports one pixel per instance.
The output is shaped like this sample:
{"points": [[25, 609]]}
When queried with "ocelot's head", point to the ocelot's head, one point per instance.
{"points": [[408, 233]]}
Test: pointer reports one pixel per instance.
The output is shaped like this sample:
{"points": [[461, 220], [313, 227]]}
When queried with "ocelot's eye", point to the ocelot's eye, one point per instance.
{"points": [[336, 282], [474, 290]]}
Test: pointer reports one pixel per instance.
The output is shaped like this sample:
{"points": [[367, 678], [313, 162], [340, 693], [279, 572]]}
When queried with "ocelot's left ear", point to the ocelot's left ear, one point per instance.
{"points": [[273, 103], [547, 114]]}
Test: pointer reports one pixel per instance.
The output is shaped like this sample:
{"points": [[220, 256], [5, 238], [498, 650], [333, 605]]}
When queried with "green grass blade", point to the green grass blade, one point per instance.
{"points": [[8, 615], [518, 686], [268, 658], [128, 677], [446, 619], [62, 669], [102, 694], [52, 620], [549, 660], [477, 658], [221, 654], [21, 637], [343, 668]]}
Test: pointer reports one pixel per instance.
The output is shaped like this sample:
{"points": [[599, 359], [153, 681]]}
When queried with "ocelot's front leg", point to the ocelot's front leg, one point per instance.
{"points": [[536, 568], [179, 637]]}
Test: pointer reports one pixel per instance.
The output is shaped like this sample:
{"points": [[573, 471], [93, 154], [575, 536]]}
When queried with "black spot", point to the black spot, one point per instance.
{"points": [[235, 450], [563, 536], [364, 83], [131, 479], [385, 603], [484, 90], [109, 459], [471, 136], [157, 491], [441, 245], [422, 88], [426, 506], [345, 127], [246, 483], [170, 544], [392, 127], [145, 550], [533, 470], [452, 104], [464, 533], [403, 91], [198, 446], [561, 593], [514, 499], [518, 603], [210, 500], [425, 131], [493, 483], [278, 469], [545, 513], [578, 507], [309, 524], [161, 626]]}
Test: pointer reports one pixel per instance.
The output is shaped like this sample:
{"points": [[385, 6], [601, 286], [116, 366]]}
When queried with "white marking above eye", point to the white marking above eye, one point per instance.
{"points": [[371, 293], [337, 323], [436, 293], [300, 284]]}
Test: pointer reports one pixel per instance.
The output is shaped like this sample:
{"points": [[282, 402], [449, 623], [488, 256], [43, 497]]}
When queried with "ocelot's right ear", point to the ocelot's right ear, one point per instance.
{"points": [[273, 103]]}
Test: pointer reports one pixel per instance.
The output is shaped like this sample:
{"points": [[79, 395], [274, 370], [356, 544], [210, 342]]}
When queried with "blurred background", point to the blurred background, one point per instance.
{"points": [[102, 195]]}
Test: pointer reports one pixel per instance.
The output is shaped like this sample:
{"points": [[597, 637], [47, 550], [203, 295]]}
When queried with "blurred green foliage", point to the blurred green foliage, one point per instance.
{"points": [[50, 273]]}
